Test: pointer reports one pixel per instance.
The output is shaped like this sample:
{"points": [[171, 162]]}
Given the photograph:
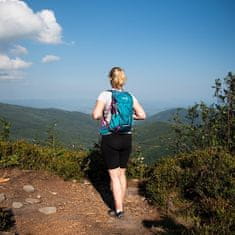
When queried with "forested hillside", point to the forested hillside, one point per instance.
{"points": [[153, 139], [37, 124], [76, 128]]}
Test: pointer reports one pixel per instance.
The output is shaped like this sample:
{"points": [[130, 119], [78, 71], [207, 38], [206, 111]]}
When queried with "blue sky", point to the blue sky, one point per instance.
{"points": [[171, 50]]}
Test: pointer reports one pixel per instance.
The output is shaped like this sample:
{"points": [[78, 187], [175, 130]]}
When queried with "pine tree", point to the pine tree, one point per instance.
{"points": [[5, 132]]}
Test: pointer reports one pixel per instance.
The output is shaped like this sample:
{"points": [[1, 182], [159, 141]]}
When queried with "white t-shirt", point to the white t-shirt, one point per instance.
{"points": [[106, 97]]}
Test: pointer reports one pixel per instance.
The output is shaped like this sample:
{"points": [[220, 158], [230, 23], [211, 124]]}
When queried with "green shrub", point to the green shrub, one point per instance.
{"points": [[63, 162], [137, 168], [94, 166], [69, 164], [6, 219], [205, 181]]}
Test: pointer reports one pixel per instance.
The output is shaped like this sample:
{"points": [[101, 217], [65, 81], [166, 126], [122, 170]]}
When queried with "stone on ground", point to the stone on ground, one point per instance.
{"points": [[17, 205], [32, 200], [2, 197], [47, 210], [28, 188]]}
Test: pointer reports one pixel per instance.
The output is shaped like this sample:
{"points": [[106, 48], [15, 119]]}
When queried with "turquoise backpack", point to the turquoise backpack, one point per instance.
{"points": [[121, 114]]}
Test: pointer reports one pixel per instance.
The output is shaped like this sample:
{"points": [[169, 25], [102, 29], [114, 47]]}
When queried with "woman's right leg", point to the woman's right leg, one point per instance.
{"points": [[123, 160], [123, 182]]}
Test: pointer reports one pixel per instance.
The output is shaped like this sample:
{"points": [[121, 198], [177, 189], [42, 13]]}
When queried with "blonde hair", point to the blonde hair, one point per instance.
{"points": [[117, 77]]}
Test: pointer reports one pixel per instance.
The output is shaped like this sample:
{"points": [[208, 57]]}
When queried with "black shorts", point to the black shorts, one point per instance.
{"points": [[116, 149]]}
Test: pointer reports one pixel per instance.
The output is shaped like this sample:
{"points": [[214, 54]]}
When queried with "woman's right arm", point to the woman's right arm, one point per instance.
{"points": [[139, 113]]}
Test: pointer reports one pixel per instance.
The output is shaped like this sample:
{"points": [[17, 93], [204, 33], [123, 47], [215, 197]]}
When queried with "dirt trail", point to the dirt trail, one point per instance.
{"points": [[80, 208]]}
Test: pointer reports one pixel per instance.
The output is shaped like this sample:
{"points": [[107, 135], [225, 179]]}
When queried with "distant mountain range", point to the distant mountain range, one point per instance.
{"points": [[83, 105], [76, 128], [168, 115], [33, 123]]}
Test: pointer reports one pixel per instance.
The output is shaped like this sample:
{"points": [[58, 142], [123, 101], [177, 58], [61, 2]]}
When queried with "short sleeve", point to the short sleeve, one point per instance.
{"points": [[103, 96], [134, 99]]}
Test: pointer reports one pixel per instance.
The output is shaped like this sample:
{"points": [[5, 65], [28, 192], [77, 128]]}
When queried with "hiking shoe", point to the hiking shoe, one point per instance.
{"points": [[112, 213], [118, 215]]}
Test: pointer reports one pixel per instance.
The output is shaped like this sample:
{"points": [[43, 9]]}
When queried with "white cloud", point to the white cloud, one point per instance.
{"points": [[18, 21], [10, 69], [18, 50], [17, 63], [50, 58], [51, 30]]}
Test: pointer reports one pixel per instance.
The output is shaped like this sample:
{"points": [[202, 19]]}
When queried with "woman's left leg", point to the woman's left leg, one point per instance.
{"points": [[116, 188]]}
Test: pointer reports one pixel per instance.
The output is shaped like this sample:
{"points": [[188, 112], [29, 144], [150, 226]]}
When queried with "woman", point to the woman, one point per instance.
{"points": [[116, 147]]}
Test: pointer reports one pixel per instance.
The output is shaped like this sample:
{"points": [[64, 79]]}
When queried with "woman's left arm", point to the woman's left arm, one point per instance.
{"points": [[98, 110]]}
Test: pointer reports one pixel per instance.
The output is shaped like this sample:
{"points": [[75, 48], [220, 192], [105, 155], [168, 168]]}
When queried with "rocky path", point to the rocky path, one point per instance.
{"points": [[44, 204]]}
